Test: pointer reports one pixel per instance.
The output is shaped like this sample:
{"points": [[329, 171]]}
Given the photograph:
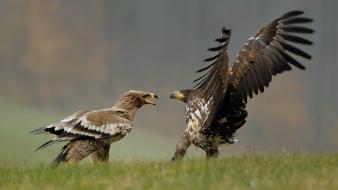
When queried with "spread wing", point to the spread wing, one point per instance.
{"points": [[96, 124], [211, 86], [267, 54]]}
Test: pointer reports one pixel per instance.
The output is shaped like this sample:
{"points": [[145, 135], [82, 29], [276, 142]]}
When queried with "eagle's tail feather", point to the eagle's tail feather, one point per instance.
{"points": [[38, 131], [61, 157], [46, 144], [232, 133], [237, 120]]}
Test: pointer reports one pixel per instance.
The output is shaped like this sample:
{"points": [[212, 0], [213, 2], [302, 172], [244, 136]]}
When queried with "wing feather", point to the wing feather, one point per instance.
{"points": [[297, 29], [268, 53], [211, 87], [94, 124], [298, 20], [296, 39], [102, 123]]}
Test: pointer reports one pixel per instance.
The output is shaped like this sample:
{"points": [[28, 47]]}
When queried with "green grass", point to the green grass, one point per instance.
{"points": [[296, 171]]}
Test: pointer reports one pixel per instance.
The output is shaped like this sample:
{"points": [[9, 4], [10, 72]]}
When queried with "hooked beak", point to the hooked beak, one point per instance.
{"points": [[176, 95], [151, 99], [172, 95]]}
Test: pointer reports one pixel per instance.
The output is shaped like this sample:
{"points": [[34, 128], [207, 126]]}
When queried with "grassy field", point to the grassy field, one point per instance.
{"points": [[140, 162], [295, 171]]}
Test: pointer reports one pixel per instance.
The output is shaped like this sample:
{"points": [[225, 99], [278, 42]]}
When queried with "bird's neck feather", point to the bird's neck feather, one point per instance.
{"points": [[129, 105]]}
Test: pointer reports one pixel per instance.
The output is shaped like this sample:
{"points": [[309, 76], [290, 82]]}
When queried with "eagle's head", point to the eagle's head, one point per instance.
{"points": [[135, 98], [181, 95]]}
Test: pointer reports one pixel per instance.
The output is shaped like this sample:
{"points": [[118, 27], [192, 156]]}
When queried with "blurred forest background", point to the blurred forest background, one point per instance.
{"points": [[61, 56]]}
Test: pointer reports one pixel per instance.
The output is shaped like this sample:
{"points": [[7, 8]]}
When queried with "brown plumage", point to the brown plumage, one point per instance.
{"points": [[92, 132], [215, 108]]}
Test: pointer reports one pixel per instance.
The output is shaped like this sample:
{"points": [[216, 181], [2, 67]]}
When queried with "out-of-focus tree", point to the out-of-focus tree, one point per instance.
{"points": [[54, 53]]}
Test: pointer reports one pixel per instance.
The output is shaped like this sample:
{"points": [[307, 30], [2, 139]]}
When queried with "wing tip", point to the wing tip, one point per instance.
{"points": [[44, 145], [292, 14], [226, 31], [37, 131]]}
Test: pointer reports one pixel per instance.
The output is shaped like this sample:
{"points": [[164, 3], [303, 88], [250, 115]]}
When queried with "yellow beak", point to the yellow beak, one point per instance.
{"points": [[176, 95]]}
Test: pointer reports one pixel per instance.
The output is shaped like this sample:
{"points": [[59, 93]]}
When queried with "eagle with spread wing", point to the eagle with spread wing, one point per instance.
{"points": [[215, 107], [92, 132]]}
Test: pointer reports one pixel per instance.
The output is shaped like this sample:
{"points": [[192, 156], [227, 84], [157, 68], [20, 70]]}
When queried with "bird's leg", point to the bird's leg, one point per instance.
{"points": [[181, 147], [75, 151], [212, 153], [101, 155]]}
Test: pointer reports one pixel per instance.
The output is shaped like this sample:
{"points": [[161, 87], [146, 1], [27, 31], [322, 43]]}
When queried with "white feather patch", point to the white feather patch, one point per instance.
{"points": [[107, 128]]}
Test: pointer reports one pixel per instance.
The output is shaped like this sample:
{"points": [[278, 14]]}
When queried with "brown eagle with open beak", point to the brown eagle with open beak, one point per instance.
{"points": [[215, 107], [92, 132]]}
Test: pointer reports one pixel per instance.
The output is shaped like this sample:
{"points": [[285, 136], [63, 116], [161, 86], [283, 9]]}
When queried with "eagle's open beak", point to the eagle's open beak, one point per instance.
{"points": [[151, 99], [176, 95]]}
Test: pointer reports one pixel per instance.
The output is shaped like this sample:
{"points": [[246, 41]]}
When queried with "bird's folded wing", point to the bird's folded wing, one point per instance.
{"points": [[94, 124], [99, 124]]}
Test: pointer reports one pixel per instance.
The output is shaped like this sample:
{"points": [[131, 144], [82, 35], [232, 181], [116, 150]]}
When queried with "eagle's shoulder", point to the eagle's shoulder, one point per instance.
{"points": [[74, 116], [107, 116]]}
